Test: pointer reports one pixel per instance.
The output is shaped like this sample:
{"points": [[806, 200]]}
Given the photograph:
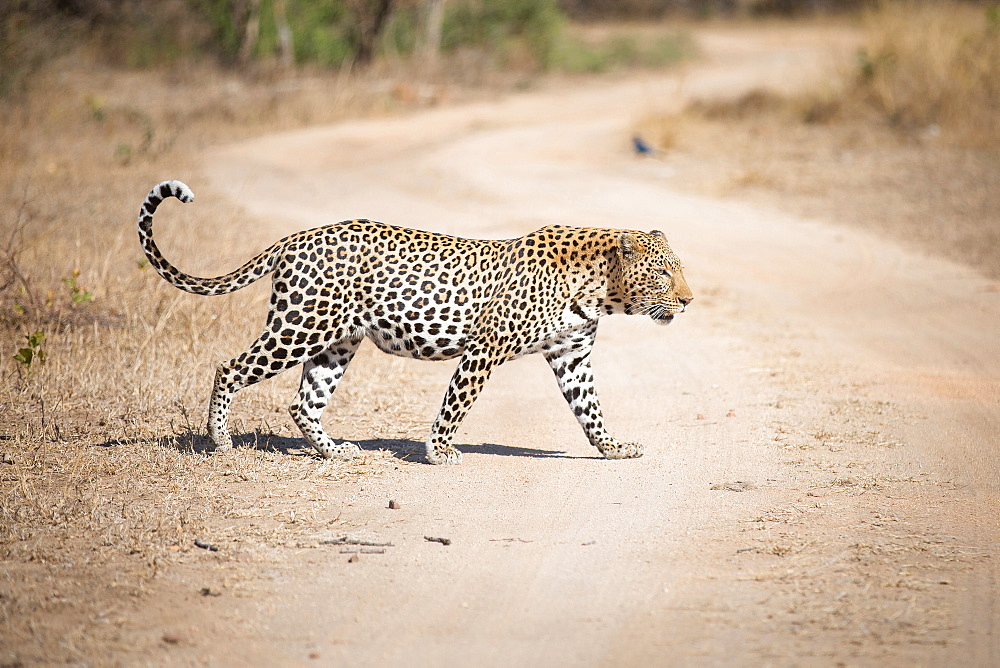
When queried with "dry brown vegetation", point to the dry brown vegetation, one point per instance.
{"points": [[904, 142], [932, 64]]}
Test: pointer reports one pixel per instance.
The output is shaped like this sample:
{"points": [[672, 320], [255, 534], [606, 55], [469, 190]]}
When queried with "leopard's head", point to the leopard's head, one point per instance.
{"points": [[651, 277]]}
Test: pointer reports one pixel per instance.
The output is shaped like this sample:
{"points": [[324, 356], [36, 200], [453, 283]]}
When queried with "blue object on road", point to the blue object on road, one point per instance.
{"points": [[641, 147]]}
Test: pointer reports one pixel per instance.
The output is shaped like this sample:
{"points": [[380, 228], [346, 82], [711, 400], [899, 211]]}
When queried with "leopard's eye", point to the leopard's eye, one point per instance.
{"points": [[666, 273]]}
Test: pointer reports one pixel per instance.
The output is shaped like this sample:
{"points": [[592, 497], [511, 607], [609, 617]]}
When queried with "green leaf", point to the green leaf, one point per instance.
{"points": [[24, 356]]}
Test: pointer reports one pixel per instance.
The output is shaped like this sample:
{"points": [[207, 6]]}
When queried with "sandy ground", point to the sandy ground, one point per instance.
{"points": [[820, 479]]}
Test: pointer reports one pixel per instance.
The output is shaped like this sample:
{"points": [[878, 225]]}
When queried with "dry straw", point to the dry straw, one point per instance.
{"points": [[931, 63]]}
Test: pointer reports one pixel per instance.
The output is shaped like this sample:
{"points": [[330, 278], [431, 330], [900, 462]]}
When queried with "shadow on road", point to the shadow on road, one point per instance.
{"points": [[404, 449]]}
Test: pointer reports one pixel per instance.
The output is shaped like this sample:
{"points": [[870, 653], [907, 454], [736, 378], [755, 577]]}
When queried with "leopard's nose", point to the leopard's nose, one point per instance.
{"points": [[685, 300]]}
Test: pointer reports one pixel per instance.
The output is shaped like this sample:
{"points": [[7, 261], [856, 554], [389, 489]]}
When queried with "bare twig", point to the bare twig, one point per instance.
{"points": [[10, 255], [344, 540], [510, 540]]}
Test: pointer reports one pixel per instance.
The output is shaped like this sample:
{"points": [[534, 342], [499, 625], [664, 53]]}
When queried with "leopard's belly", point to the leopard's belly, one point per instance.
{"points": [[418, 340]]}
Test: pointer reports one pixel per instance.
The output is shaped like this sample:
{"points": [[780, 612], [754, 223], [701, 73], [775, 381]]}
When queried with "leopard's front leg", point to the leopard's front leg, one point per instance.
{"points": [[576, 380], [473, 370]]}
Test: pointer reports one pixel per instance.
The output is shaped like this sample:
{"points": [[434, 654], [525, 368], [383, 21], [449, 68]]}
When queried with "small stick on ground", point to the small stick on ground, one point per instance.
{"points": [[443, 541], [344, 540], [510, 540]]}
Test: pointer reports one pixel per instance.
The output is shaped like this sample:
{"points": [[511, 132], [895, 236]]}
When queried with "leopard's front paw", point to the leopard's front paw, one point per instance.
{"points": [[221, 441], [443, 454], [620, 450]]}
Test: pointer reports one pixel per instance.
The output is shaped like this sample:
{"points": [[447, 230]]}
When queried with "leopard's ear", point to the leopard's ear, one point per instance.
{"points": [[627, 245], [657, 233]]}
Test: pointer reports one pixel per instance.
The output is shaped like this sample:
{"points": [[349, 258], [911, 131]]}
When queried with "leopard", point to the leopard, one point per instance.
{"points": [[431, 296]]}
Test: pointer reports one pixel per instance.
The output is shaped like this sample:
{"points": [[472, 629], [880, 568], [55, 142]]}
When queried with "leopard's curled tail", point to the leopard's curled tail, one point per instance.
{"points": [[251, 271]]}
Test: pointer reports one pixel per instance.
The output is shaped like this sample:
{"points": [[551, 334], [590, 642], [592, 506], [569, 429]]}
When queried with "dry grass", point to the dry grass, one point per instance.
{"points": [[928, 63]]}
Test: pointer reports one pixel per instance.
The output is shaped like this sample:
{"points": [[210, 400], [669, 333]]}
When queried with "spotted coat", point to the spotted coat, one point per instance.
{"points": [[434, 297]]}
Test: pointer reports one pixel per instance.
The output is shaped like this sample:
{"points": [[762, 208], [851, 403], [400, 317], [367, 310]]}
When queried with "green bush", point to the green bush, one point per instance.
{"points": [[323, 32], [327, 32], [227, 34], [521, 34], [619, 51], [401, 35], [502, 26]]}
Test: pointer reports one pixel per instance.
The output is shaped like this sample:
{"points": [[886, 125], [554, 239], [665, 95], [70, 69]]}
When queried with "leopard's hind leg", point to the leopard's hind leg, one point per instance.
{"points": [[265, 358], [320, 377]]}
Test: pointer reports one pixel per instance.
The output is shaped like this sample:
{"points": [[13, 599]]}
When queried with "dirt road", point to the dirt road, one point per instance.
{"points": [[820, 479]]}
